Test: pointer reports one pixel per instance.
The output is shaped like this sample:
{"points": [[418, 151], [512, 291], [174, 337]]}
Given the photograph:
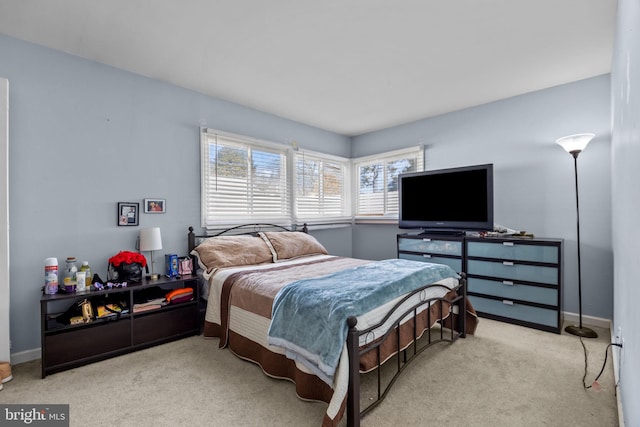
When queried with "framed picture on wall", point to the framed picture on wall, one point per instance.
{"points": [[155, 205], [128, 213]]}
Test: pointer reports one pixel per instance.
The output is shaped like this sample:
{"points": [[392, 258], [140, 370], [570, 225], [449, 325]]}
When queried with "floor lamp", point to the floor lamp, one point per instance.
{"points": [[574, 144]]}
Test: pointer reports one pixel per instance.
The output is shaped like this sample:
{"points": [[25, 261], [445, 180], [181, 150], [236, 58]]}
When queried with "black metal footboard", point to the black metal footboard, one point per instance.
{"points": [[400, 311]]}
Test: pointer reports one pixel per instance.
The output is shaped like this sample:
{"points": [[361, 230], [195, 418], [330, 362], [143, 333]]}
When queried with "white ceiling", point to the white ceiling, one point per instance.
{"points": [[348, 66]]}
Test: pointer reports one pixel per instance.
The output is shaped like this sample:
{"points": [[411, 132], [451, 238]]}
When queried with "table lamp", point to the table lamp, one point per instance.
{"points": [[151, 240]]}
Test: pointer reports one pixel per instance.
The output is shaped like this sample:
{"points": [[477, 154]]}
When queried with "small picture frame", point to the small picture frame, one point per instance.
{"points": [[128, 213], [155, 205]]}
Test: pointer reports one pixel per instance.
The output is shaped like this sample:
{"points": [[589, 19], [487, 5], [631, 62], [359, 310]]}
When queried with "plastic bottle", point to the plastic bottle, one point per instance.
{"points": [[85, 267], [81, 283], [51, 276], [69, 280]]}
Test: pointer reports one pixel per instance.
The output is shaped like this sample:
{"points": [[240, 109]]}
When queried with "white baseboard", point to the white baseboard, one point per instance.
{"points": [[620, 411], [587, 320], [615, 353], [26, 356]]}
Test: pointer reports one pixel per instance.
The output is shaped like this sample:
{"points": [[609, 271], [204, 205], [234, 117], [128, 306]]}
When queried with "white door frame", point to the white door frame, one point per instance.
{"points": [[5, 338]]}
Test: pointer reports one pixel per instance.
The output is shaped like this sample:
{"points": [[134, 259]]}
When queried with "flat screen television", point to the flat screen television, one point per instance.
{"points": [[451, 200]]}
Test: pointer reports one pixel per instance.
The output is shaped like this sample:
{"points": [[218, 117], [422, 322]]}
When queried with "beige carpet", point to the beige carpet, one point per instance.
{"points": [[505, 375]]}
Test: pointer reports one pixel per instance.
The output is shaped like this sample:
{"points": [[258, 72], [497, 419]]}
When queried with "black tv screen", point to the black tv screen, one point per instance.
{"points": [[456, 199]]}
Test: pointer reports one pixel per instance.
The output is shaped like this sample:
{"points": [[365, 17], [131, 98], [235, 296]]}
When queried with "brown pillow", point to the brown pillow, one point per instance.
{"points": [[231, 251], [292, 244]]}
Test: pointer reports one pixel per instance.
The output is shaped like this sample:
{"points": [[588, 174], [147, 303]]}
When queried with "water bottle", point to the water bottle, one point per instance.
{"points": [[51, 276], [85, 267]]}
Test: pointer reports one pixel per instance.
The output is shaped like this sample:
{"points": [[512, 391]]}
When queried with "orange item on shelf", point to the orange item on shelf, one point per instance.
{"points": [[177, 293]]}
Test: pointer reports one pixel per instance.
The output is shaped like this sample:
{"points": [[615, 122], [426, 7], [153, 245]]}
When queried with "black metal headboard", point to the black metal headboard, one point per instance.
{"points": [[253, 229]]}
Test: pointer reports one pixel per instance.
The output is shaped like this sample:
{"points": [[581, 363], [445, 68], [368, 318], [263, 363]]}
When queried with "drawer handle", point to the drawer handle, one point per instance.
{"points": [[507, 282], [426, 239], [426, 255], [507, 302], [507, 243], [507, 263]]}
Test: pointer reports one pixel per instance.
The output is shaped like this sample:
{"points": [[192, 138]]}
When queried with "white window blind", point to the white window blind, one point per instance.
{"points": [[377, 180], [321, 188], [243, 180]]}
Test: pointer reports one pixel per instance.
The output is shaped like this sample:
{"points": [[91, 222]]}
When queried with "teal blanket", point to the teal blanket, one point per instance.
{"points": [[309, 317]]}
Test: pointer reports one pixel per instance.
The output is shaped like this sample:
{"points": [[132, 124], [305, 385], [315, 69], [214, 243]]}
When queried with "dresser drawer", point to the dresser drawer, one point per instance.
{"points": [[514, 251], [522, 312], [513, 291], [432, 246], [455, 263], [513, 271]]}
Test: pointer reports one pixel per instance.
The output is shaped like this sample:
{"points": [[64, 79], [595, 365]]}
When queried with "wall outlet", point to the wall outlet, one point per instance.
{"points": [[618, 335]]}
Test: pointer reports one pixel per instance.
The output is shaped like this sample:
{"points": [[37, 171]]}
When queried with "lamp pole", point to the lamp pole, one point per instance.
{"points": [[573, 329], [574, 144]]}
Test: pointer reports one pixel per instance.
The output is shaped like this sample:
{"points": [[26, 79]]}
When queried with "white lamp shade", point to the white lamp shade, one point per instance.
{"points": [[150, 239], [577, 142]]}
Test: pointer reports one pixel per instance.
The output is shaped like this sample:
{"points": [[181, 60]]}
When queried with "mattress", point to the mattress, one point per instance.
{"points": [[239, 313]]}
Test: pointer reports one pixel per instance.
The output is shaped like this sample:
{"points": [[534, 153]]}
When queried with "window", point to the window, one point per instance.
{"points": [[377, 181], [246, 180], [321, 192], [243, 180]]}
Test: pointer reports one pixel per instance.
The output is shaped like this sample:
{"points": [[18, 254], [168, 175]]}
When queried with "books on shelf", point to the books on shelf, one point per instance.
{"points": [[146, 307], [149, 305]]}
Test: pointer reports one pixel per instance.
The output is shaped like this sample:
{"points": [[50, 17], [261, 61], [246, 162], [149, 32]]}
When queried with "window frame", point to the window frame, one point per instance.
{"points": [[251, 144], [345, 165], [387, 215], [290, 158]]}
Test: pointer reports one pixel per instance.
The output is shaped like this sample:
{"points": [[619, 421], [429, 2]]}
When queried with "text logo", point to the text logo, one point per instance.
{"points": [[34, 415]]}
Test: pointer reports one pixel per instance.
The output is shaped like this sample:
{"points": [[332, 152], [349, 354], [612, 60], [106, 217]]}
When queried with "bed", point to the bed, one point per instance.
{"points": [[276, 297]]}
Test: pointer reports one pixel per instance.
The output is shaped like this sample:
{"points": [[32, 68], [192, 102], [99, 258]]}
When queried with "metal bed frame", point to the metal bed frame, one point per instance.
{"points": [[403, 357]]}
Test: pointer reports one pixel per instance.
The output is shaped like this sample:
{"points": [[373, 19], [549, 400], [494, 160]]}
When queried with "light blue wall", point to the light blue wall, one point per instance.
{"points": [[625, 101], [84, 136], [533, 177]]}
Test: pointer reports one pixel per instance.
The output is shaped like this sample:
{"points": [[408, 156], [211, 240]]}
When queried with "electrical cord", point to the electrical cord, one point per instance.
{"points": [[606, 354]]}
